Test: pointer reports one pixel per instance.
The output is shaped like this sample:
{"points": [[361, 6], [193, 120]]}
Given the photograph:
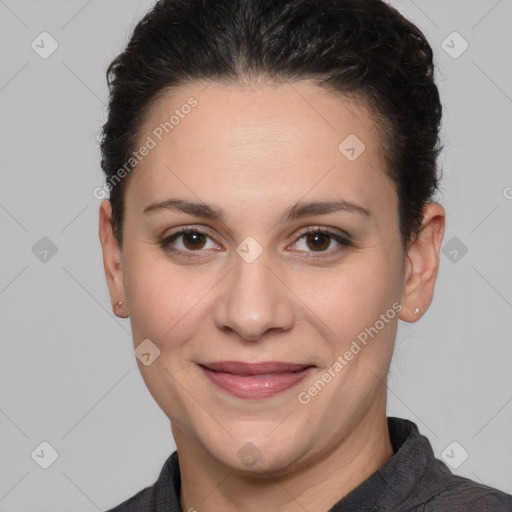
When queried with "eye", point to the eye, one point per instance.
{"points": [[321, 240], [188, 240]]}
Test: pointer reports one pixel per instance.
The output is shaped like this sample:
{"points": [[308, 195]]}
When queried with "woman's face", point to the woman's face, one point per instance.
{"points": [[257, 174]]}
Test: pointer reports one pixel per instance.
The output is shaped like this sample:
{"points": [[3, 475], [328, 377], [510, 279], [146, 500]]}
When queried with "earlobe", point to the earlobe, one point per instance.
{"points": [[112, 260], [422, 264]]}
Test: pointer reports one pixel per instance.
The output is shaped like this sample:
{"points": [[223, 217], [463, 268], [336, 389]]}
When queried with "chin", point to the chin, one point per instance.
{"points": [[261, 455]]}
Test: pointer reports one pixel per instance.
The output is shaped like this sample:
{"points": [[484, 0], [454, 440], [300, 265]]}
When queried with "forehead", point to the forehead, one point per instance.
{"points": [[270, 141]]}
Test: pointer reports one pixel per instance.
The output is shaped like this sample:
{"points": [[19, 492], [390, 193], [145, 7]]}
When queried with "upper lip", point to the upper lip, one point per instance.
{"points": [[261, 368]]}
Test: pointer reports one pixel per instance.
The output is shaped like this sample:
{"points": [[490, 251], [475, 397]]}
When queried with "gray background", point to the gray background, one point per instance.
{"points": [[67, 371]]}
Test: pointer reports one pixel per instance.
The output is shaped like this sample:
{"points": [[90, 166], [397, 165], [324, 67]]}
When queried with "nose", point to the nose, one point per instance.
{"points": [[253, 300]]}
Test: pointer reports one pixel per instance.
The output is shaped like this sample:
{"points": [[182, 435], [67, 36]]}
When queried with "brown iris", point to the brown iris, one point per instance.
{"points": [[194, 240], [320, 241]]}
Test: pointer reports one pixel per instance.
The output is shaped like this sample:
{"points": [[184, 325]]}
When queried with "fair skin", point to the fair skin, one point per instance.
{"points": [[254, 151]]}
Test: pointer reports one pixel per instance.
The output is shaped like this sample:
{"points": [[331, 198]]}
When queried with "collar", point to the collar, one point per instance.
{"points": [[411, 476]]}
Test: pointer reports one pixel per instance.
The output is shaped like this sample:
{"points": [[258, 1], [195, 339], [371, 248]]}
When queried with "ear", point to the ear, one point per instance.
{"points": [[112, 260], [422, 264]]}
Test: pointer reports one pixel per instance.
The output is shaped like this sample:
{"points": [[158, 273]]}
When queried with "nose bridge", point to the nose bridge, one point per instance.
{"points": [[253, 300]]}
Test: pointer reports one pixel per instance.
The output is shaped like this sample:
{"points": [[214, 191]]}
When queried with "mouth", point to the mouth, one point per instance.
{"points": [[255, 380]]}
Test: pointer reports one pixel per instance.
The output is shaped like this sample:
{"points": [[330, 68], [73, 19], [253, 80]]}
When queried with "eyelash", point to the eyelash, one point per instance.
{"points": [[344, 242]]}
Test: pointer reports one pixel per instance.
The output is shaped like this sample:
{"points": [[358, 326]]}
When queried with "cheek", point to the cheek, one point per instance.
{"points": [[160, 296], [165, 307], [354, 295]]}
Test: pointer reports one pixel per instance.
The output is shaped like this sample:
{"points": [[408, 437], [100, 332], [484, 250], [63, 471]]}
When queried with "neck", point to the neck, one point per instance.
{"points": [[209, 486]]}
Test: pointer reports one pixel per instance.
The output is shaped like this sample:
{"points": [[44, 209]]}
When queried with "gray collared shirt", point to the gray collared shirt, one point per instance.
{"points": [[412, 480]]}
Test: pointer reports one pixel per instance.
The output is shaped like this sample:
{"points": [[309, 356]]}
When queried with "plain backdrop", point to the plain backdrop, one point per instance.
{"points": [[68, 376]]}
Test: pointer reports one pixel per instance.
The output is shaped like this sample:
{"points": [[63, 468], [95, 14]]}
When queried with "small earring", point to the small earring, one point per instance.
{"points": [[118, 304], [416, 311]]}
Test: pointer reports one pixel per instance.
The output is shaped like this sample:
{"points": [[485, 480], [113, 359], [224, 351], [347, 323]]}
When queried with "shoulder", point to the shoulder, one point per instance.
{"points": [[465, 495], [162, 496], [140, 502], [416, 481]]}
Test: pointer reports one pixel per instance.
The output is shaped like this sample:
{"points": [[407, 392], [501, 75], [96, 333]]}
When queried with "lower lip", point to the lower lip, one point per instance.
{"points": [[255, 386]]}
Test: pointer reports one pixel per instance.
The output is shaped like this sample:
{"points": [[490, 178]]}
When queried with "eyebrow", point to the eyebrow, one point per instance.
{"points": [[296, 211]]}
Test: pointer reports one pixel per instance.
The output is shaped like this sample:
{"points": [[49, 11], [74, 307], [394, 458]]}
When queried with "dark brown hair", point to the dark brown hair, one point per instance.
{"points": [[364, 48]]}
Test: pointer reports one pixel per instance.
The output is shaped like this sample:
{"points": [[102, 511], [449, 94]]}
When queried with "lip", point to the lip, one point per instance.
{"points": [[255, 380]]}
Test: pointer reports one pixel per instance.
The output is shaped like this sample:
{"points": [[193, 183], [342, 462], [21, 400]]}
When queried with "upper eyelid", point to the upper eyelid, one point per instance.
{"points": [[322, 229]]}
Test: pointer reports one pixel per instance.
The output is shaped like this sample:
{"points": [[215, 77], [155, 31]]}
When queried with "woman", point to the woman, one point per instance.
{"points": [[272, 169]]}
